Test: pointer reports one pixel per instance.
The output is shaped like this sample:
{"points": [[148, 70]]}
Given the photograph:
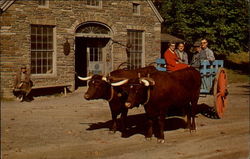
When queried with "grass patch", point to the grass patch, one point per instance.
{"points": [[238, 66], [238, 58], [235, 76]]}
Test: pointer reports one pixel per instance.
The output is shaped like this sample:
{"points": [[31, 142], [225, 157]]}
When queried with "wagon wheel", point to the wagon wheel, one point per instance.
{"points": [[152, 64], [220, 92], [124, 66]]}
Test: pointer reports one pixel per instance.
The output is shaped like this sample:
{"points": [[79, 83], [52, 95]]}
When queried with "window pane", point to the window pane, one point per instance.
{"points": [[44, 30], [95, 54], [38, 70], [50, 38], [39, 38], [38, 30], [41, 2], [33, 46], [33, 30], [100, 54], [93, 2], [45, 38], [39, 46], [44, 70], [33, 38]]}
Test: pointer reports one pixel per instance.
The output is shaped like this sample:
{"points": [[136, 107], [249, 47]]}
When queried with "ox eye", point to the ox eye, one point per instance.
{"points": [[131, 86], [93, 82]]}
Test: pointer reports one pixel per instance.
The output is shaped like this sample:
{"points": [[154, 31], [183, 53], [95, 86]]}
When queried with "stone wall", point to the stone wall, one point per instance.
{"points": [[67, 16]]}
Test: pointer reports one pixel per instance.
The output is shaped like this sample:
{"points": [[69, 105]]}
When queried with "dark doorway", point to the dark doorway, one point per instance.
{"points": [[80, 61], [88, 51]]}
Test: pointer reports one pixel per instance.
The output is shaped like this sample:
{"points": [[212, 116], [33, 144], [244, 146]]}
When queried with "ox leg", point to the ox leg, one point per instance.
{"points": [[149, 132], [114, 124], [188, 112], [161, 123], [189, 125], [124, 122], [193, 112], [193, 124]]}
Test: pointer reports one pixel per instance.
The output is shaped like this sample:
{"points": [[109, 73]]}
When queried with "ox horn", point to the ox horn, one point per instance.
{"points": [[150, 80], [85, 78], [119, 83], [146, 82]]}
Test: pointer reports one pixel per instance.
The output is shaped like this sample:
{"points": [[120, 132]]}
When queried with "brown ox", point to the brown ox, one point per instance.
{"points": [[164, 91], [100, 88]]}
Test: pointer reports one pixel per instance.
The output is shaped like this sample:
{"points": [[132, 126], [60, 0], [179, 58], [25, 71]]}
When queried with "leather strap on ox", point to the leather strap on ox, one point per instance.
{"points": [[148, 96], [111, 94]]}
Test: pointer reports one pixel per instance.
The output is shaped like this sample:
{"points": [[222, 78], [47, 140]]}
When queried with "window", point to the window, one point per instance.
{"points": [[135, 51], [136, 8], [42, 49], [96, 3], [43, 2], [95, 54], [93, 29]]}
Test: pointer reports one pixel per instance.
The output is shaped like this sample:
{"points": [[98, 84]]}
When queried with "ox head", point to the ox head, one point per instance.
{"points": [[137, 90], [98, 87]]}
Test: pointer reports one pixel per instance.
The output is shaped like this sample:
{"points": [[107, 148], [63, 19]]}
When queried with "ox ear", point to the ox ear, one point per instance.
{"points": [[149, 80], [139, 75], [104, 79], [145, 82], [85, 78], [120, 83]]}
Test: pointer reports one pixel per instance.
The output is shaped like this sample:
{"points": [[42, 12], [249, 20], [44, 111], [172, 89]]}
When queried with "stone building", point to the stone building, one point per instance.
{"points": [[58, 40]]}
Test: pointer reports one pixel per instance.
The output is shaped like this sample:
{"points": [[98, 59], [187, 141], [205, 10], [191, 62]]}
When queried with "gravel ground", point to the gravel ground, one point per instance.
{"points": [[69, 127]]}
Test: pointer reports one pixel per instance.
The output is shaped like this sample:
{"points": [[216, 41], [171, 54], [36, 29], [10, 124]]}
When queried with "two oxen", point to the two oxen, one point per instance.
{"points": [[157, 91]]}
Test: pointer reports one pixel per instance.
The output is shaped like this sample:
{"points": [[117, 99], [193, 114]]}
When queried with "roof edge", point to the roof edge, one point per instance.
{"points": [[6, 5], [155, 11]]}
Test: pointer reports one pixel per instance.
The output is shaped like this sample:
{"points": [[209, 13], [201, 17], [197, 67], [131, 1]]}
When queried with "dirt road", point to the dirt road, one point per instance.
{"points": [[73, 128]]}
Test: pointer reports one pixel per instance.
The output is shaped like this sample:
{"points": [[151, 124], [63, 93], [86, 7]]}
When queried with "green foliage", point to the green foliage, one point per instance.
{"points": [[223, 23]]}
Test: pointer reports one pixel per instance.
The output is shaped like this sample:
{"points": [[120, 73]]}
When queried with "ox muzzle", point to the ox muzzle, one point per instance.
{"points": [[86, 96], [128, 105]]}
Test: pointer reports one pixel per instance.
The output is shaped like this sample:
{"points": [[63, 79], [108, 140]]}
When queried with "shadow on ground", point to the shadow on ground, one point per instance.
{"points": [[55, 91], [242, 68], [136, 124]]}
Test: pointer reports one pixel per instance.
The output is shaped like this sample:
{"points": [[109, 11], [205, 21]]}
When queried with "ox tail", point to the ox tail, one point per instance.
{"points": [[207, 111]]}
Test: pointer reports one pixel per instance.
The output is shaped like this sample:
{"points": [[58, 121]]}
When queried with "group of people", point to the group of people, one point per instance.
{"points": [[177, 59]]}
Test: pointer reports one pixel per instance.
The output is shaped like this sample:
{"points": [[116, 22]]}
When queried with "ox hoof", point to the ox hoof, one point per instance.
{"points": [[112, 132], [192, 131], [148, 138], [125, 135], [20, 98], [161, 141]]}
